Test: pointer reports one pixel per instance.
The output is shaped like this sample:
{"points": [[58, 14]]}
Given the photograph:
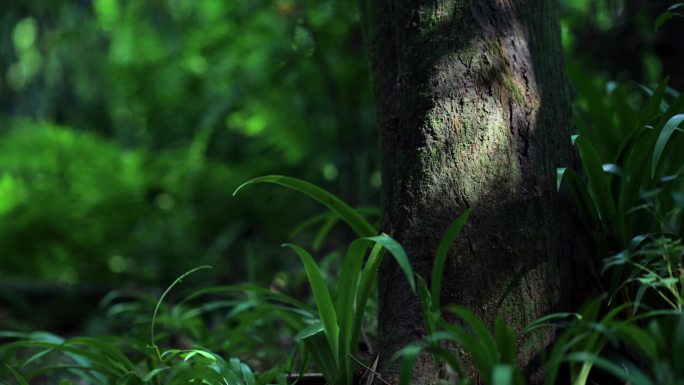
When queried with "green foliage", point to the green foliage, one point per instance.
{"points": [[334, 204], [334, 342], [115, 360], [341, 321], [634, 173], [673, 11], [631, 195], [493, 356], [197, 97]]}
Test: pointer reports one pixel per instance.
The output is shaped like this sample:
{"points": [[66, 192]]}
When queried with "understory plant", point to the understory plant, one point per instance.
{"points": [[631, 196], [105, 360], [333, 342]]}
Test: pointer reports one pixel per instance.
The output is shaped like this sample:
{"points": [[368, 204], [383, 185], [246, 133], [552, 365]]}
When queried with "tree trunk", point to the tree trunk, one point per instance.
{"points": [[473, 112]]}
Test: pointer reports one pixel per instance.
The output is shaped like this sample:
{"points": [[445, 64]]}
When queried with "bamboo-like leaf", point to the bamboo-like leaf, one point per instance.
{"points": [[440, 257], [664, 136], [654, 103], [426, 301], [639, 340], [333, 203], [479, 329], [671, 12], [399, 255], [368, 277], [482, 358], [115, 356], [505, 342], [632, 375], [346, 295], [324, 303], [637, 156], [614, 169], [247, 374], [502, 375], [599, 186], [20, 379], [545, 321], [580, 194], [319, 347], [161, 299], [323, 232], [408, 355]]}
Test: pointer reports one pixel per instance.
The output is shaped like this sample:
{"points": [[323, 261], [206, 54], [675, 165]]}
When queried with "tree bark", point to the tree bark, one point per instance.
{"points": [[473, 111]]}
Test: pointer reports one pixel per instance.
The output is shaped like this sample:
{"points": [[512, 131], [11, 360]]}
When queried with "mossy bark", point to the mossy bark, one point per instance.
{"points": [[473, 112]]}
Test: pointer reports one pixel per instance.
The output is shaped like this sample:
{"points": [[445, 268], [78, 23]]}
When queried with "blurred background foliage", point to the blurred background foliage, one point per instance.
{"points": [[126, 125]]}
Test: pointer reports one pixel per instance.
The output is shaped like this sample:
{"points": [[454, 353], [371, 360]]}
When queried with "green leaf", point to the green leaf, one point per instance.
{"points": [[440, 257], [481, 355], [664, 136], [399, 255], [502, 375], [505, 342], [247, 374], [426, 301], [346, 295], [479, 329], [319, 347], [655, 102], [408, 355], [545, 321], [153, 373], [614, 169], [667, 15], [579, 193], [639, 340], [333, 203], [599, 186], [161, 299], [324, 303], [368, 277], [20, 379], [631, 375]]}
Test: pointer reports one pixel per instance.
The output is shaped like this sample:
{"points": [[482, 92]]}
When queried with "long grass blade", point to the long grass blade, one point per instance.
{"points": [[161, 299], [333, 203], [599, 186], [632, 375], [326, 309], [347, 289], [440, 257], [399, 255], [663, 138], [317, 344], [368, 277], [502, 375], [20, 379], [580, 194], [479, 329]]}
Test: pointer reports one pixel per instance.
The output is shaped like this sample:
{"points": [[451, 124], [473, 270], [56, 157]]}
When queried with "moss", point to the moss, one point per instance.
{"points": [[467, 55], [501, 74], [468, 126], [497, 51], [509, 309], [513, 89], [435, 120]]}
